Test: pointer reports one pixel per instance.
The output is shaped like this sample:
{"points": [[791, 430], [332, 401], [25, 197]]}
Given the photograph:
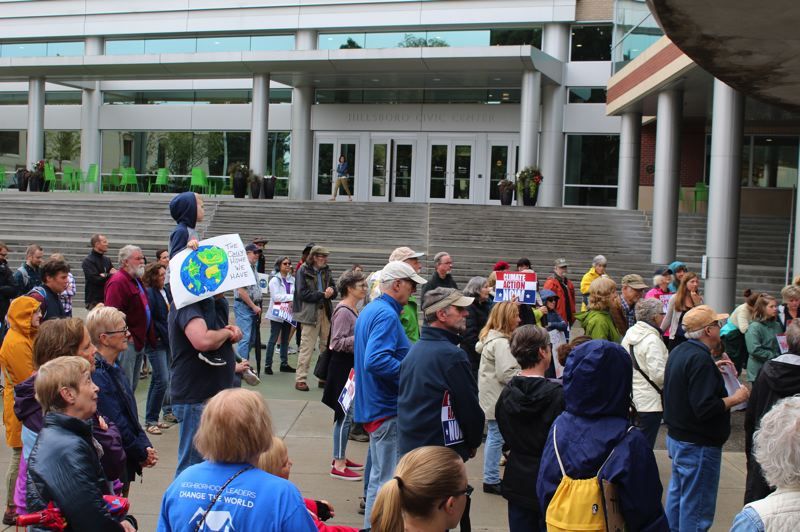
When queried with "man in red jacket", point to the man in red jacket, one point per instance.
{"points": [[564, 289], [125, 292]]}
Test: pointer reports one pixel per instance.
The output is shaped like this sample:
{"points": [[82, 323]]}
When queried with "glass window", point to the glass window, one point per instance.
{"points": [[337, 41], [591, 173], [455, 96], [515, 37], [324, 168], [222, 96], [587, 95], [591, 43], [224, 149], [170, 46], [125, 47], [458, 38], [280, 96], [9, 142], [63, 147], [223, 44], [279, 153], [503, 96], [62, 49], [13, 98], [24, 49], [395, 40], [775, 161], [339, 96], [590, 197], [271, 42], [393, 96], [63, 98]]}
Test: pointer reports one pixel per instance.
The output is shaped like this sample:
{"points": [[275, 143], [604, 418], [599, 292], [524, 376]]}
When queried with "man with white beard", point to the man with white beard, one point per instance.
{"points": [[125, 292]]}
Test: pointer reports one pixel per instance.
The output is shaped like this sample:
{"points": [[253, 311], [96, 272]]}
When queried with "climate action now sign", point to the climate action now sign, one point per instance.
{"points": [[516, 285]]}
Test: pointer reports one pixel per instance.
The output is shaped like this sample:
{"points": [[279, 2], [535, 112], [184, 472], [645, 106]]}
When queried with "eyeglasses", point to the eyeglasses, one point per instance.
{"points": [[125, 330], [286, 263], [467, 492]]}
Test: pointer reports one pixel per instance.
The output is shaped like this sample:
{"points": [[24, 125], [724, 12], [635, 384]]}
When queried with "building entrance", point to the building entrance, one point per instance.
{"points": [[392, 169]]}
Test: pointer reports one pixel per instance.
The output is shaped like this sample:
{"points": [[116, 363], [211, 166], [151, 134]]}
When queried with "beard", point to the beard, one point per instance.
{"points": [[139, 272]]}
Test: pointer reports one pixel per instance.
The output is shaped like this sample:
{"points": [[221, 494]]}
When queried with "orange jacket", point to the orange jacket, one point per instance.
{"points": [[563, 299], [16, 360]]}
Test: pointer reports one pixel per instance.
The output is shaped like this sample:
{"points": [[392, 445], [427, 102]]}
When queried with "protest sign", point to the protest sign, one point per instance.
{"points": [[557, 338], [782, 343], [521, 285], [348, 392], [217, 265], [732, 384], [263, 283], [282, 310], [665, 301], [451, 430]]}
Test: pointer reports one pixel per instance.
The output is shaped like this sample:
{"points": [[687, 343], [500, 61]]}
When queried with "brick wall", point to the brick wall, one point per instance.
{"points": [[693, 150], [592, 10]]}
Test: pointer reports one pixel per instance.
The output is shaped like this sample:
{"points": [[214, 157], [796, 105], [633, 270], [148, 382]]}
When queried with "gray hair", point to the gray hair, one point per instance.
{"points": [[793, 337], [474, 285], [126, 251], [439, 256], [790, 292], [599, 259], [776, 444], [695, 335], [647, 310], [347, 281], [431, 297], [657, 279]]}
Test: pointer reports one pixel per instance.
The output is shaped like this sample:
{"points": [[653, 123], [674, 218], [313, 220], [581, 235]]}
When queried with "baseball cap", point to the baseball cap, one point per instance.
{"points": [[561, 262], [547, 294], [319, 250], [448, 297], [699, 317], [404, 253], [400, 270], [251, 247], [662, 271], [634, 281], [260, 240]]}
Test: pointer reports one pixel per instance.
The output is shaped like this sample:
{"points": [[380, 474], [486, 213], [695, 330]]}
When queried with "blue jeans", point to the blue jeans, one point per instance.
{"points": [[159, 383], [491, 453], [282, 328], [384, 454], [692, 494], [341, 432], [244, 320], [189, 417], [130, 361], [367, 472], [649, 423], [521, 519]]}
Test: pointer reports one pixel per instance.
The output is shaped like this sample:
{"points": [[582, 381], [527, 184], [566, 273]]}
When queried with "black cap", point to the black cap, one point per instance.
{"points": [[662, 271], [308, 247], [251, 247]]}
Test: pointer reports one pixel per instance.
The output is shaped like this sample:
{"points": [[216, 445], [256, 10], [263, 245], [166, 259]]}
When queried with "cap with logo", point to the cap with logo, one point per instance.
{"points": [[561, 263], [699, 317], [440, 298], [634, 281], [400, 270], [404, 253]]}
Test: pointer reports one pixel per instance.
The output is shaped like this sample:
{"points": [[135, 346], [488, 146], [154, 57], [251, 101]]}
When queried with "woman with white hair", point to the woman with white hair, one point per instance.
{"points": [[478, 313], [775, 446], [597, 270], [649, 357]]}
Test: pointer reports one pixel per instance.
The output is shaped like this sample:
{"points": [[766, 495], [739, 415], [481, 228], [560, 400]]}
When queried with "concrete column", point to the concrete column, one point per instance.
{"points": [[667, 177], [301, 180], [551, 153], [630, 144], [530, 99], [258, 124], [35, 141], [722, 234], [305, 40], [91, 101]]}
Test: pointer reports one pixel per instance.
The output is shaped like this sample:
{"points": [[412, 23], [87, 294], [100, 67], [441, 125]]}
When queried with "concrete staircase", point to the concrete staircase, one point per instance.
{"points": [[365, 233]]}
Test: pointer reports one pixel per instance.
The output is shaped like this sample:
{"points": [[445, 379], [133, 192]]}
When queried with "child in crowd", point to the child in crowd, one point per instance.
{"points": [[553, 320], [187, 210]]}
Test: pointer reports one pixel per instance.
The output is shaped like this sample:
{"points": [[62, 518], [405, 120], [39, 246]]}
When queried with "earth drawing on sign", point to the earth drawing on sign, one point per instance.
{"points": [[204, 269]]}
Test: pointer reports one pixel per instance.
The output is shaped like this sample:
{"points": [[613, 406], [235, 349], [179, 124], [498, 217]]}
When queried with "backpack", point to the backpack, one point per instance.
{"points": [[26, 279], [584, 503]]}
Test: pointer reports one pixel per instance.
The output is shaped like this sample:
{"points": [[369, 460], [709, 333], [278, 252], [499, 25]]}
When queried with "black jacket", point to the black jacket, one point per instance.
{"points": [[779, 378], [96, 268], [158, 313], [52, 308], [63, 467], [525, 411], [8, 289], [307, 299], [436, 370], [476, 319]]}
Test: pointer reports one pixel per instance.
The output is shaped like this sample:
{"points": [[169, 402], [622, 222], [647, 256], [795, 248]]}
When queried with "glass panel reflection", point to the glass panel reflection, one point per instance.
{"points": [[403, 170], [125, 47], [24, 49], [260, 43], [170, 46], [379, 170], [438, 173], [324, 168], [223, 44], [498, 169], [775, 161], [462, 171]]}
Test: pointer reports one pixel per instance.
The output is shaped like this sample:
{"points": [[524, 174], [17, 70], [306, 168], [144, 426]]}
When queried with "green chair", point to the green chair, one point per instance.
{"points": [[67, 177], [199, 180], [129, 179], [114, 179], [4, 183], [77, 179], [92, 176], [162, 180], [50, 176], [700, 194]]}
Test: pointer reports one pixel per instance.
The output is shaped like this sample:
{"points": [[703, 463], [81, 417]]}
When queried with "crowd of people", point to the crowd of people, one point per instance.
{"points": [[570, 421]]}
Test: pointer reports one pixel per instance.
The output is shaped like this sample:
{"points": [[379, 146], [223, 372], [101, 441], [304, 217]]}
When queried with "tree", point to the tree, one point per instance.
{"points": [[413, 41], [62, 146], [350, 43], [183, 149]]}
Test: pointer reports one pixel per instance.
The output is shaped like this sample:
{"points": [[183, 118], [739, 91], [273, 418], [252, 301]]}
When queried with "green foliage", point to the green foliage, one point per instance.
{"points": [[62, 146]]}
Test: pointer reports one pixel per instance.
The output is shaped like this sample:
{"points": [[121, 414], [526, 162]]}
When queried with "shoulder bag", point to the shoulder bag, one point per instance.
{"points": [[642, 373]]}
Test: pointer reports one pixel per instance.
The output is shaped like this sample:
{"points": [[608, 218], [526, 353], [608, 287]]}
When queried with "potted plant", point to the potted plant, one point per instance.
{"points": [[239, 175], [269, 187], [506, 187], [256, 184], [528, 181]]}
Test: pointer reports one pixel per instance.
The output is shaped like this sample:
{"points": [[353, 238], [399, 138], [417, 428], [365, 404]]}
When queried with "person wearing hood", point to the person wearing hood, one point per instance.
{"points": [[597, 270], [525, 411], [649, 358], [678, 270], [593, 437], [597, 321], [16, 361], [779, 378], [497, 367], [187, 210]]}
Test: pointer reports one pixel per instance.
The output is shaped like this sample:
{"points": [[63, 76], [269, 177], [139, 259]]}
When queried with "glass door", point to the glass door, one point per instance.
{"points": [[450, 171], [392, 169], [329, 154], [503, 164]]}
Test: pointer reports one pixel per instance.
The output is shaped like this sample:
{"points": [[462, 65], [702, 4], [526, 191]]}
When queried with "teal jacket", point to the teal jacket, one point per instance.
{"points": [[762, 345]]}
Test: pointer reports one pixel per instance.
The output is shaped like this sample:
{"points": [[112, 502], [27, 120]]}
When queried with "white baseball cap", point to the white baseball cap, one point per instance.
{"points": [[400, 270]]}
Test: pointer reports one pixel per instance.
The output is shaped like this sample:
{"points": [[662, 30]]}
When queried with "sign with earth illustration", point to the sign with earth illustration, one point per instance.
{"points": [[217, 265]]}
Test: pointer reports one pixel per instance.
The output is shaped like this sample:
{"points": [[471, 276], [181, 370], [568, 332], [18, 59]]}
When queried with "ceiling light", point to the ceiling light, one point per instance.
{"points": [[315, 80], [578, 45]]}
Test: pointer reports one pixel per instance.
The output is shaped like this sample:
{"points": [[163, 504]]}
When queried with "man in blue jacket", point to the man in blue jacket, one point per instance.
{"points": [[380, 346], [438, 402]]}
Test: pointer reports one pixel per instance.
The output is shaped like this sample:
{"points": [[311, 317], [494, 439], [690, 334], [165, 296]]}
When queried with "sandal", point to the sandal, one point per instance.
{"points": [[163, 425], [153, 429]]}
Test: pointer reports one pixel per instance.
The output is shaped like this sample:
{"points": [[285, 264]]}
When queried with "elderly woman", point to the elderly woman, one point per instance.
{"points": [[649, 357], [109, 334], [661, 280], [597, 270], [597, 321], [686, 298], [352, 286], [775, 447], [64, 467], [16, 361], [497, 367], [788, 311], [477, 288], [761, 336], [235, 429]]}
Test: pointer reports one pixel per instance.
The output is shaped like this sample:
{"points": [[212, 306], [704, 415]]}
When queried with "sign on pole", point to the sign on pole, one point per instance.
{"points": [[521, 285]]}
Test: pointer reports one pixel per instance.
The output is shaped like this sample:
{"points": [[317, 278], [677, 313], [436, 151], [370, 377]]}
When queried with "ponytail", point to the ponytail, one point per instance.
{"points": [[387, 511]]}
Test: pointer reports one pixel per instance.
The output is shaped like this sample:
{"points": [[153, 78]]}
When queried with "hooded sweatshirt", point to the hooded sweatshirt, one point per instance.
{"points": [[779, 378], [597, 388], [599, 325], [673, 286], [183, 209], [526, 409], [16, 359]]}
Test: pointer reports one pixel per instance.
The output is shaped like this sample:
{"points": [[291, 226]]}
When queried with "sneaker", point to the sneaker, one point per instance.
{"points": [[359, 436], [212, 360], [353, 466], [170, 418], [292, 350], [286, 368], [345, 475], [268, 371], [362, 505], [251, 378], [493, 489], [301, 386]]}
